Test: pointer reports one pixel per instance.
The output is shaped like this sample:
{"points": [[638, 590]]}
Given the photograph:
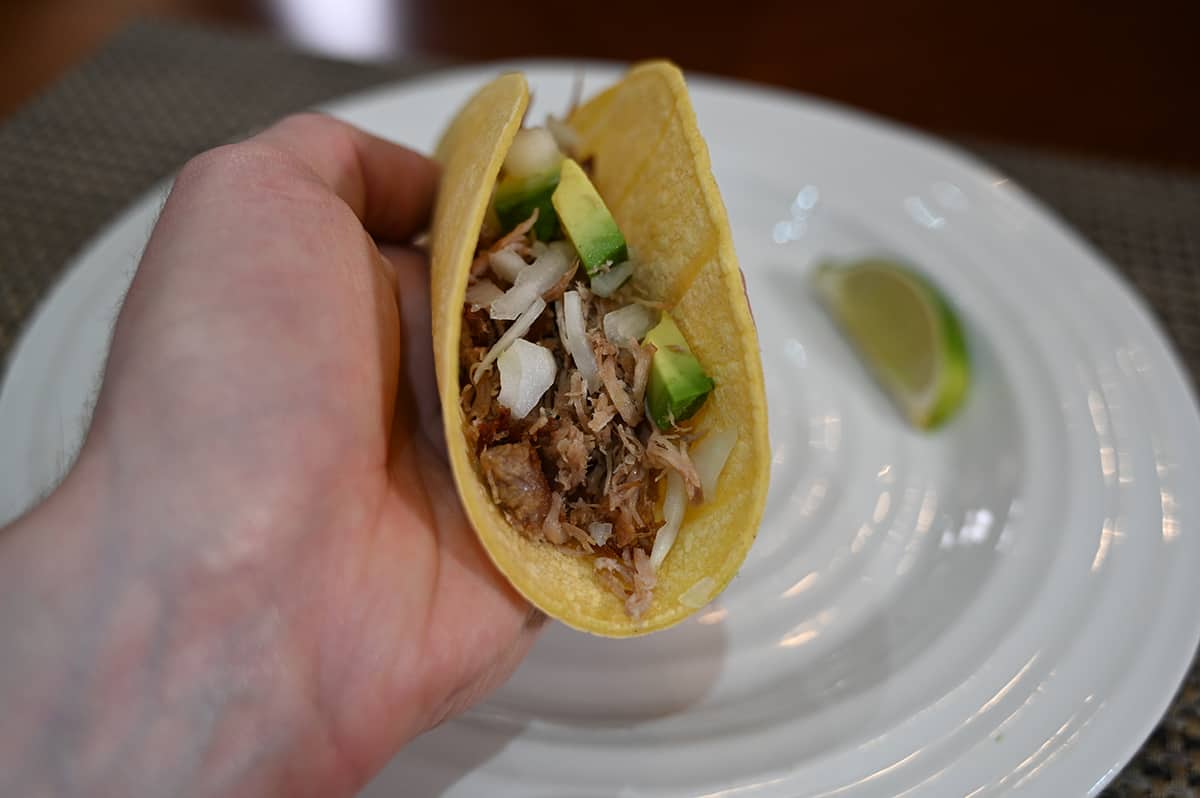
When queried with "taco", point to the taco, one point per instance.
{"points": [[598, 367]]}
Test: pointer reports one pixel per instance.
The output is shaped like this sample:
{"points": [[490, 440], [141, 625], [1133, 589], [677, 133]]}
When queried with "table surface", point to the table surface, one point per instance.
{"points": [[1101, 78], [158, 93]]}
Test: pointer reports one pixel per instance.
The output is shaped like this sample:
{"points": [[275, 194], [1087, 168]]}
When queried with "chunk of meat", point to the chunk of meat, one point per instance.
{"points": [[644, 580], [539, 423], [613, 583], [514, 475], [660, 451], [630, 445], [614, 565], [570, 448], [618, 392], [643, 355], [628, 524], [486, 391], [552, 527], [478, 328], [492, 430], [602, 413], [576, 396], [624, 528], [579, 536]]}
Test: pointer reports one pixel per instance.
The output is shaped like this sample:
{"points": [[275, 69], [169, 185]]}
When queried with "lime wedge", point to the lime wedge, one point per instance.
{"points": [[905, 330]]}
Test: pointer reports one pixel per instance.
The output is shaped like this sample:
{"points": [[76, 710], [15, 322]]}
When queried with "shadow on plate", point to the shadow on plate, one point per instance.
{"points": [[578, 680], [571, 685], [433, 763]]}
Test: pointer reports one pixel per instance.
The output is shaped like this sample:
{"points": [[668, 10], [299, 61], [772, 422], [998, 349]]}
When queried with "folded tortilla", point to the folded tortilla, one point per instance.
{"points": [[652, 168]]}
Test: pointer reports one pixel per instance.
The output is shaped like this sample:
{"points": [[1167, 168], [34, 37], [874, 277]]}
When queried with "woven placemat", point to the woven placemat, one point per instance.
{"points": [[160, 93]]}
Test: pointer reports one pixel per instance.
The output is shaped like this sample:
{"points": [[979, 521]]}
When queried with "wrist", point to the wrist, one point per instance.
{"points": [[129, 671]]}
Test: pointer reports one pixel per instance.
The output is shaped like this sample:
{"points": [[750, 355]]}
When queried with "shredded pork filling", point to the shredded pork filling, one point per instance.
{"points": [[581, 459]]}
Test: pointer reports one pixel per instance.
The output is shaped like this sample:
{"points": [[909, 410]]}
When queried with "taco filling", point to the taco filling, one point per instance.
{"points": [[577, 392]]}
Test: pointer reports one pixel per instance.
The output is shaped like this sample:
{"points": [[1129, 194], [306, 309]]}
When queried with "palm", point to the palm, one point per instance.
{"points": [[289, 365]]}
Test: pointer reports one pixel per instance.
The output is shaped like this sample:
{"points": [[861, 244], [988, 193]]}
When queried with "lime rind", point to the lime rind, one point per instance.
{"points": [[955, 362], [946, 390]]}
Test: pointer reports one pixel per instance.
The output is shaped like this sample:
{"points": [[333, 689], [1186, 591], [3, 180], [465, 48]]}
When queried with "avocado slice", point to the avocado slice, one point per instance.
{"points": [[678, 385], [516, 198], [587, 222]]}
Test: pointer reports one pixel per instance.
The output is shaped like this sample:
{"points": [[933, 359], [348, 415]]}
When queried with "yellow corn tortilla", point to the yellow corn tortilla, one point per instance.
{"points": [[652, 168]]}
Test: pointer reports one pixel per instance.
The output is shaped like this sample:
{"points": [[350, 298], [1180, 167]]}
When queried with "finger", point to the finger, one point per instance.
{"points": [[390, 188], [492, 675]]}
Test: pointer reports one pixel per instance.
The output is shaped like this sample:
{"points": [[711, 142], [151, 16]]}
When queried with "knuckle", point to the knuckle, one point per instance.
{"points": [[231, 165], [251, 170], [305, 122]]}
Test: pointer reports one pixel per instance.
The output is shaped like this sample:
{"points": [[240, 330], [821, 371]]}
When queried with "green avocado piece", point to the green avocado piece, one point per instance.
{"points": [[678, 385], [586, 220], [516, 197]]}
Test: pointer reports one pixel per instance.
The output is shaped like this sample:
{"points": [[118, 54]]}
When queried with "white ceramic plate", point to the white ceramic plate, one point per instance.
{"points": [[1004, 606]]}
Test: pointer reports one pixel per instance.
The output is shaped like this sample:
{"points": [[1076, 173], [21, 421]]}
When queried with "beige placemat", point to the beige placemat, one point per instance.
{"points": [[158, 94]]}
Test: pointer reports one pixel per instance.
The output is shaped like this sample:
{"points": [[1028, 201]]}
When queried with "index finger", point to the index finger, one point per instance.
{"points": [[389, 187]]}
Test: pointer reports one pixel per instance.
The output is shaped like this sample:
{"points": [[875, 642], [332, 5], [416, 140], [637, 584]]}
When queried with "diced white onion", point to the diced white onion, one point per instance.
{"points": [[482, 294], [534, 280], [533, 151], [600, 532], [709, 456], [629, 324], [513, 302], [567, 139], [698, 594], [518, 328], [526, 372], [563, 248], [538, 248], [507, 264], [574, 330], [606, 283], [674, 505]]}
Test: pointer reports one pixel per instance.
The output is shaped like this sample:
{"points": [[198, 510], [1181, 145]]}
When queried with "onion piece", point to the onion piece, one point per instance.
{"points": [[606, 283], [482, 293], [518, 328], [506, 264], [629, 324], [538, 248], [674, 505], [527, 371], [600, 532], [709, 456], [534, 280], [698, 594], [563, 248], [532, 152], [564, 135], [574, 331]]}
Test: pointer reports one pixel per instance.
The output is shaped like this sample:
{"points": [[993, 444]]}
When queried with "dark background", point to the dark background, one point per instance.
{"points": [[1115, 79]]}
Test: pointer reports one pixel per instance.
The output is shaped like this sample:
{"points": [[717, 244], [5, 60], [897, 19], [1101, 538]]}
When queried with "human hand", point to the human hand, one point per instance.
{"points": [[257, 577]]}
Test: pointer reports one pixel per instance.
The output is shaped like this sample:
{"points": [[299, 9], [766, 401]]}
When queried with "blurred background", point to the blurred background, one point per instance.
{"points": [[1100, 78]]}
